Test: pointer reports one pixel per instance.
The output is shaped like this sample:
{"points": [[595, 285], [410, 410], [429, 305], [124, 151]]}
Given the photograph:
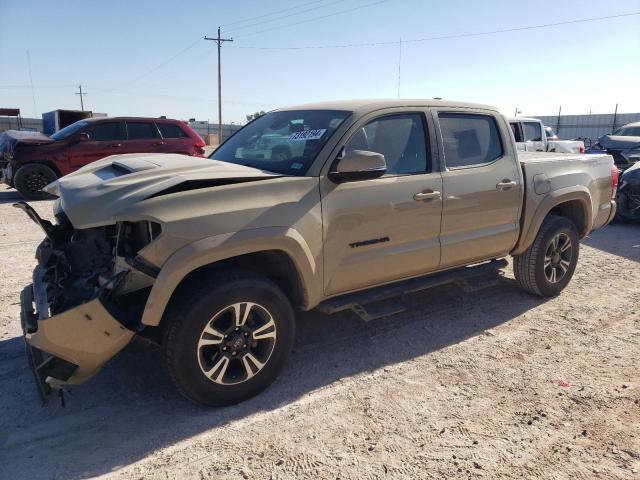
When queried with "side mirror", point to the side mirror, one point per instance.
{"points": [[358, 165], [83, 137]]}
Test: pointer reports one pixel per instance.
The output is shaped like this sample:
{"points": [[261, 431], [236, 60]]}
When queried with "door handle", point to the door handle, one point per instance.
{"points": [[157, 144], [506, 184], [422, 196], [116, 145]]}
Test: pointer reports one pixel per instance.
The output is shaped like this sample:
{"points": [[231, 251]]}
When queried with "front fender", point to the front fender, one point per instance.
{"points": [[221, 247], [552, 200]]}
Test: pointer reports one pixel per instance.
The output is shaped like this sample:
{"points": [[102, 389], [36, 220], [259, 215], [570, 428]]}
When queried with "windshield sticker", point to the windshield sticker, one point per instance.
{"points": [[296, 166], [307, 135]]}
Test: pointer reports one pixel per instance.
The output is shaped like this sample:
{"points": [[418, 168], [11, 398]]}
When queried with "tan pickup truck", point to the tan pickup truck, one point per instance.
{"points": [[342, 205]]}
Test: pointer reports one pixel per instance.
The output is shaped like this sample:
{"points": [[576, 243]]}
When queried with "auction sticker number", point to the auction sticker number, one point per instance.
{"points": [[307, 135]]}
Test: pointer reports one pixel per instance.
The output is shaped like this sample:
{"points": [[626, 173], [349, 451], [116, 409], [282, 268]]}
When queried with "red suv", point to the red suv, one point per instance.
{"points": [[30, 160]]}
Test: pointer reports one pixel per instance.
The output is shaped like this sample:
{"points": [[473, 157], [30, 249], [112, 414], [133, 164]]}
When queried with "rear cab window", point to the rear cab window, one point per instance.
{"points": [[469, 139]]}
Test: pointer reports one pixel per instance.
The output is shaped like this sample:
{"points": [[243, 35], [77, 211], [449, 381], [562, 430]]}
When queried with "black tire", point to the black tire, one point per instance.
{"points": [[202, 304], [30, 179], [529, 268]]}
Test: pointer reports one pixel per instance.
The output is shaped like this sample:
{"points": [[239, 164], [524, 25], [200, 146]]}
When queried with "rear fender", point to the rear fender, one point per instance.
{"points": [[552, 200]]}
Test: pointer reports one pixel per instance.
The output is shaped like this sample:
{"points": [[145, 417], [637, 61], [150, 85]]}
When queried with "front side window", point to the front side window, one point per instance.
{"points": [[532, 131], [285, 142], [469, 139], [141, 131], [105, 132], [400, 138]]}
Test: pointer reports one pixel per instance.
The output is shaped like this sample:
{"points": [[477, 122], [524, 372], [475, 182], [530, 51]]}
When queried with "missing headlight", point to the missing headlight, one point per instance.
{"points": [[134, 236]]}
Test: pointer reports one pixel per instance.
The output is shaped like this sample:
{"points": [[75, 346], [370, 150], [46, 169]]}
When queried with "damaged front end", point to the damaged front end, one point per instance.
{"points": [[86, 299]]}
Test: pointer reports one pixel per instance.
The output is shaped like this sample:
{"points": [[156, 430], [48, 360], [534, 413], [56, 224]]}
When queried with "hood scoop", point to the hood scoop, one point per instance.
{"points": [[132, 165]]}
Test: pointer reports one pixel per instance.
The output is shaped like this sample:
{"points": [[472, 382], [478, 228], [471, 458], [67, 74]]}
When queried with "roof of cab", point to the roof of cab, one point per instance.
{"points": [[367, 105]]}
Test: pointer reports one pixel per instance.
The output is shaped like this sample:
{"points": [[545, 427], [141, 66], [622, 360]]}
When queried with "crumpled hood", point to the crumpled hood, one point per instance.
{"points": [[619, 142], [98, 193]]}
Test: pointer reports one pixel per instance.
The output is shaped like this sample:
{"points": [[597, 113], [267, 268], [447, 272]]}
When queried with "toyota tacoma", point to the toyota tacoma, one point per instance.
{"points": [[211, 257]]}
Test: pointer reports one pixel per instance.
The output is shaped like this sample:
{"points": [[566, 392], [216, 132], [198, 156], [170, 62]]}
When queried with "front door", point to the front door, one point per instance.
{"points": [[385, 229], [482, 187], [104, 139]]}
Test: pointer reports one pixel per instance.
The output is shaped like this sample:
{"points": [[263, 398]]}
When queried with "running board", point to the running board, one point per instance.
{"points": [[388, 300]]}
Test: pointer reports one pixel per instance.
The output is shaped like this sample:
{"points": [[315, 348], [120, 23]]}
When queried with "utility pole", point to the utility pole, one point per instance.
{"points": [[219, 42], [81, 94]]}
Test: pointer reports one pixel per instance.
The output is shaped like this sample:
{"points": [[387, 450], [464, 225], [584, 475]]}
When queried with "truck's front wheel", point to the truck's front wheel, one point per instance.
{"points": [[228, 339], [547, 266]]}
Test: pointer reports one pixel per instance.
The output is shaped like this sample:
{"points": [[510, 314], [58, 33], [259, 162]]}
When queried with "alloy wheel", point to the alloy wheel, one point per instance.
{"points": [[557, 258], [236, 343]]}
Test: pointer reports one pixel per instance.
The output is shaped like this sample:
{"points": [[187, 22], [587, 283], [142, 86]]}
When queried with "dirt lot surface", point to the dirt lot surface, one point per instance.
{"points": [[491, 384]]}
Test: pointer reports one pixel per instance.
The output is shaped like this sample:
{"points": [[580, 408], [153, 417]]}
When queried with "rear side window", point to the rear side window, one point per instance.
{"points": [[532, 131], [141, 130], [105, 132], [469, 139], [171, 130], [400, 138]]}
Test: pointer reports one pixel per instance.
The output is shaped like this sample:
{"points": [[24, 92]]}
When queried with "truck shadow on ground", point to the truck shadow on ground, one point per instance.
{"points": [[131, 409], [619, 238]]}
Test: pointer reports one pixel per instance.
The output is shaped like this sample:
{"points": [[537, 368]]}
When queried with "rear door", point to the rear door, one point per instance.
{"points": [[105, 138], [142, 137], [482, 186]]}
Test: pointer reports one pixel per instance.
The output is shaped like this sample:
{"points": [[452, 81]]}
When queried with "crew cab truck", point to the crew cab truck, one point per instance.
{"points": [[211, 257], [532, 136]]}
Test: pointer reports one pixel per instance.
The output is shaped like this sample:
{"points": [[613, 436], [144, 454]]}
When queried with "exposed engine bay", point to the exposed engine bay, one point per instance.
{"points": [[78, 265]]}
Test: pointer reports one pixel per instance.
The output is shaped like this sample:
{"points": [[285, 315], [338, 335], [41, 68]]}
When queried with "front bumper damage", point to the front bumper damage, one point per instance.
{"points": [[71, 320], [71, 347]]}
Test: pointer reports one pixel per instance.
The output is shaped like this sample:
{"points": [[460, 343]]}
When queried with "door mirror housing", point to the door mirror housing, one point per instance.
{"points": [[358, 165], [83, 137]]}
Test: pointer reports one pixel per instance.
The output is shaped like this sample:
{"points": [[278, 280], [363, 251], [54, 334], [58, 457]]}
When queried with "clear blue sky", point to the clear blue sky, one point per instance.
{"points": [[119, 51]]}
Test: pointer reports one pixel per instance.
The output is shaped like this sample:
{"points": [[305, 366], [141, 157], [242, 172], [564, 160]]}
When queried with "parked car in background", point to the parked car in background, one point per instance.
{"points": [[375, 199], [628, 195], [30, 160], [623, 145], [532, 136]]}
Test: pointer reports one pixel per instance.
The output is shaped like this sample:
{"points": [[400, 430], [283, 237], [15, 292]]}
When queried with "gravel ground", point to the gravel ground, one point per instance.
{"points": [[490, 384]]}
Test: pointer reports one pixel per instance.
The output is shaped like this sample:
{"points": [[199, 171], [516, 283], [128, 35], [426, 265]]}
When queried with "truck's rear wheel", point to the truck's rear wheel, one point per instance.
{"points": [[228, 339], [547, 266], [30, 179]]}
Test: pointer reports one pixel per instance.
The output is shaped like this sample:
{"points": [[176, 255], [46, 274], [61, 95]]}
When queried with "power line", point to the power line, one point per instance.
{"points": [[443, 37], [272, 13], [317, 18], [289, 15], [159, 66]]}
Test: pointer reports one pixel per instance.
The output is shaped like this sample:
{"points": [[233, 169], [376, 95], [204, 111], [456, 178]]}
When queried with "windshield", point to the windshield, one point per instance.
{"points": [[282, 142], [69, 130], [628, 132]]}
